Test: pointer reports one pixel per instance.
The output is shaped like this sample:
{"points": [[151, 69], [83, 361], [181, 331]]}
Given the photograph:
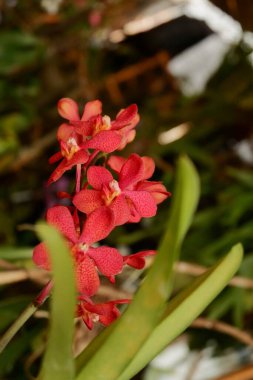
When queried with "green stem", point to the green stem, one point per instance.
{"points": [[25, 315]]}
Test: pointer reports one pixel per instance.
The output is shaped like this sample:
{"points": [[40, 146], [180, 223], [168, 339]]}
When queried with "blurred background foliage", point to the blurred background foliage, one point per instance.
{"points": [[45, 56]]}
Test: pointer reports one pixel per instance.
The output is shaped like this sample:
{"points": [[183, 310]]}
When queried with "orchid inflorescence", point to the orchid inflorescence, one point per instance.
{"points": [[107, 195]]}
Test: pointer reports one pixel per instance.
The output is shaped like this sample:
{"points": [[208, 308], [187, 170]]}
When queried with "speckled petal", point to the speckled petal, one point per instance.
{"points": [[61, 218], [68, 109], [97, 176], [87, 276], [41, 256], [108, 260], [88, 200], [98, 225]]}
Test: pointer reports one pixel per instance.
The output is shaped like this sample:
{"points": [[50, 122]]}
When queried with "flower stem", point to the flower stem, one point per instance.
{"points": [[25, 315], [78, 177]]}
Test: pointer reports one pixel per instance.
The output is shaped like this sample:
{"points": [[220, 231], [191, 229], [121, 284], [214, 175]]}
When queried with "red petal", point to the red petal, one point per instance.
{"points": [[156, 189], [107, 311], [149, 167], [108, 260], [143, 202], [125, 117], [68, 109], [127, 137], [121, 210], [137, 260], [98, 225], [98, 176], [55, 157], [116, 163], [80, 157], [131, 172], [106, 141], [87, 276], [61, 218], [65, 131], [41, 256], [88, 200], [91, 109]]}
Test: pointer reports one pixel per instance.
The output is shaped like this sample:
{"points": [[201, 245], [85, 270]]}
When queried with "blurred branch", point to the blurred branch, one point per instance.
{"points": [[196, 270], [18, 275], [224, 328], [30, 153], [245, 373]]}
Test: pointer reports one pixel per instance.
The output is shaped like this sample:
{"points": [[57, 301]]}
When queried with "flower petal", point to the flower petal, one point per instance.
{"points": [[125, 117], [116, 163], [88, 200], [97, 176], [143, 202], [98, 225], [41, 256], [65, 131], [121, 210], [55, 157], [91, 109], [149, 167], [61, 218], [131, 172], [105, 141], [156, 189], [108, 260], [87, 276], [137, 260], [107, 311], [68, 109], [80, 157]]}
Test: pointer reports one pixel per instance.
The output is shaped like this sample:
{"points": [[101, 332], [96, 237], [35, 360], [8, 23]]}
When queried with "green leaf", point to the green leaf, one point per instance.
{"points": [[141, 317], [15, 253], [184, 308], [58, 360]]}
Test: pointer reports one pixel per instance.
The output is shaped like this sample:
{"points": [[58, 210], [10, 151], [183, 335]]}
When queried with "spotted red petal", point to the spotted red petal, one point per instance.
{"points": [[137, 260], [105, 141], [107, 311], [121, 210], [88, 200], [131, 172], [41, 256], [55, 157], [156, 189], [108, 260], [98, 225], [116, 163], [80, 157], [125, 117], [143, 202], [98, 176], [149, 167], [65, 131], [68, 109], [91, 109], [87, 276], [61, 218]]}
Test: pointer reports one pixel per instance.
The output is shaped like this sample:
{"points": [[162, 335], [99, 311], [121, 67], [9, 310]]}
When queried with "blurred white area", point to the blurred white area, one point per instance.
{"points": [[194, 66], [177, 362]]}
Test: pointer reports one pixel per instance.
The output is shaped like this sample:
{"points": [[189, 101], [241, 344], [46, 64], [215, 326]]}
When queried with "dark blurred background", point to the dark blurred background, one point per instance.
{"points": [[188, 66]]}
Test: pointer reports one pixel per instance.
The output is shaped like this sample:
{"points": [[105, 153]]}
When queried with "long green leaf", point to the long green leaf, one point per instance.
{"points": [[184, 308], [15, 253], [141, 317], [58, 360]]}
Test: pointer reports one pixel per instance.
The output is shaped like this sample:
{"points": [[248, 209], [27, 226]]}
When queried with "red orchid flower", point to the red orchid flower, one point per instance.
{"points": [[91, 131], [155, 188], [87, 258], [104, 313], [128, 203], [137, 260]]}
